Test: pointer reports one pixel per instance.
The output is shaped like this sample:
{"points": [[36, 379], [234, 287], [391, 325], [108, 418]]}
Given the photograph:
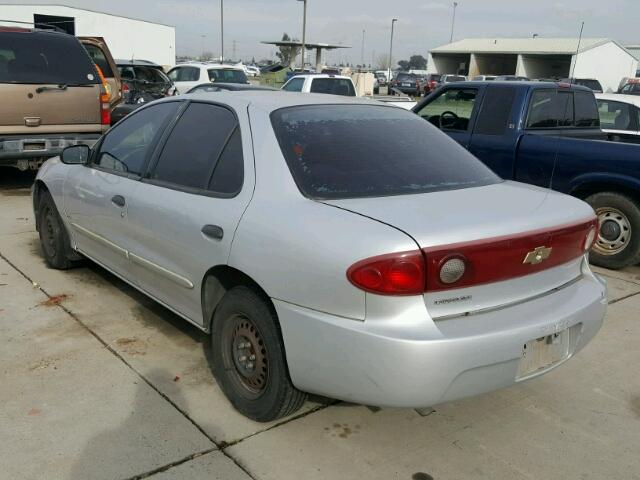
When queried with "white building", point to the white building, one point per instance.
{"points": [[599, 58], [126, 37]]}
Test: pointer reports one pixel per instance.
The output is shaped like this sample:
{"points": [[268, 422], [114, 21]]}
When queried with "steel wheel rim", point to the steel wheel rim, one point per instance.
{"points": [[615, 231], [246, 355]]}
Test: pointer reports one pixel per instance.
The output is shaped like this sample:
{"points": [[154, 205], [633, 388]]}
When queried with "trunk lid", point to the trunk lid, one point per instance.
{"points": [[512, 217]]}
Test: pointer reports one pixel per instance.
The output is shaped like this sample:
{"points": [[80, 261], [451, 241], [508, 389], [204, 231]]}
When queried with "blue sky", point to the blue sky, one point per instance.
{"points": [[421, 24]]}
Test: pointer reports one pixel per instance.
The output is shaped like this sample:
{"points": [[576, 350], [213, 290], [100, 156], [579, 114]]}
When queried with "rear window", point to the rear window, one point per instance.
{"points": [[333, 86], [294, 85], [454, 78], [586, 110], [98, 57], [550, 109], [227, 75], [496, 110], [592, 84], [44, 58], [351, 151]]}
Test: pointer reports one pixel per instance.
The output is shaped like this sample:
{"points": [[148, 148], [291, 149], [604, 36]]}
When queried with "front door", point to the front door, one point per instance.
{"points": [[97, 197], [185, 213]]}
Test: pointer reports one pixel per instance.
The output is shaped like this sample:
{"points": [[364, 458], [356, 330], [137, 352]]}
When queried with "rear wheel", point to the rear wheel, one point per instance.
{"points": [[249, 359], [618, 243], [53, 235]]}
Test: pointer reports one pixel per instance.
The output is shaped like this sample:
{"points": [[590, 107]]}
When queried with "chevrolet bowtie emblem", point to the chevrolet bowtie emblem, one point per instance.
{"points": [[539, 255]]}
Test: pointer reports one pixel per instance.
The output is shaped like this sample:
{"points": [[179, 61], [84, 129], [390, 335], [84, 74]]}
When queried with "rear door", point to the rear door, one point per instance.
{"points": [[453, 110], [185, 213], [101, 56], [48, 84]]}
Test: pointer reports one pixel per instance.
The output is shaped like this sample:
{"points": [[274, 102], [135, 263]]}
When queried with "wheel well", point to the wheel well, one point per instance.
{"points": [[217, 281], [584, 191], [39, 187]]}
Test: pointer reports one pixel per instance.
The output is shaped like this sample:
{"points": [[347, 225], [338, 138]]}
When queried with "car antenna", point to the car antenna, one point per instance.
{"points": [[566, 107]]}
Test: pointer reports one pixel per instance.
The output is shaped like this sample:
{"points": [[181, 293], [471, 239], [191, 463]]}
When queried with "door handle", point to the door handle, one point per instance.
{"points": [[213, 231], [118, 200]]}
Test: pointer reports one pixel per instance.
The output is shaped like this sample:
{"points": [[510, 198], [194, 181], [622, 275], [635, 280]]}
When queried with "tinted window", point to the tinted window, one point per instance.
{"points": [[405, 76], [44, 58], [345, 151], [333, 86], [190, 154], [227, 75], [127, 73], [586, 110], [631, 88], [151, 75], [496, 111], [97, 55], [592, 84], [615, 115], [451, 109], [184, 74], [229, 171], [128, 144], [550, 108], [294, 85]]}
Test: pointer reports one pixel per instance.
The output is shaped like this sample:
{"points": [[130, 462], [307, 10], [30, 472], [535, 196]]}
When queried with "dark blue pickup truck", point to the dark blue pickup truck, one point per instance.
{"points": [[548, 134]]}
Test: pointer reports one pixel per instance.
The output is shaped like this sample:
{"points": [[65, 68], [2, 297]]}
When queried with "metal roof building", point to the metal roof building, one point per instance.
{"points": [[598, 58], [126, 37]]}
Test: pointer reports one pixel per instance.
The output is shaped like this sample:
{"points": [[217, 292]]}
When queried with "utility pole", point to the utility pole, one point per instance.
{"points": [[221, 31], [202, 45], [391, 47], [362, 53], [234, 51], [453, 21], [304, 31]]}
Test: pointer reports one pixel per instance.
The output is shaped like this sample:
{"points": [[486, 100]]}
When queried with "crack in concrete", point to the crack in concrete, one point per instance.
{"points": [[623, 298], [221, 446], [169, 466]]}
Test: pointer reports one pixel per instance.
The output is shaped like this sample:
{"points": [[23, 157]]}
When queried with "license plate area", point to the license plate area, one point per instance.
{"points": [[406, 84], [543, 353]]}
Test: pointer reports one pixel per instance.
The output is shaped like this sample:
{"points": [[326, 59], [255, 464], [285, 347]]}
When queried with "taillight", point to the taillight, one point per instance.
{"points": [[105, 96], [125, 88], [394, 274], [503, 258]]}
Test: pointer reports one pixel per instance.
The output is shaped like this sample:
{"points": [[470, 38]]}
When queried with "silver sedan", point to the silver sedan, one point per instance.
{"points": [[330, 245]]}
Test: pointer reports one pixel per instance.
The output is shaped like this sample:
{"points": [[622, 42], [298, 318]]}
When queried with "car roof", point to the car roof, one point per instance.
{"points": [[618, 97], [236, 86], [274, 100], [520, 84], [208, 66], [136, 62], [320, 75]]}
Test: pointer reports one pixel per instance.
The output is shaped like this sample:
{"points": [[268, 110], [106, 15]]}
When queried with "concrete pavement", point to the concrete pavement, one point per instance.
{"points": [[101, 382]]}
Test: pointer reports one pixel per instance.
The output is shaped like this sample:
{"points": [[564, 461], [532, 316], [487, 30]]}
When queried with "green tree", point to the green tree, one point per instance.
{"points": [[286, 54], [415, 62]]}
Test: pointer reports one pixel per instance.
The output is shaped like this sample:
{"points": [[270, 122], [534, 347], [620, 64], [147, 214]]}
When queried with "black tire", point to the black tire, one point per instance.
{"points": [[619, 218], [54, 239], [260, 388]]}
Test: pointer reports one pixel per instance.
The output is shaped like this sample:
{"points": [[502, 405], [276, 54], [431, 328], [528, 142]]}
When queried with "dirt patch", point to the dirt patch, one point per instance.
{"points": [[342, 430], [132, 345], [55, 300], [34, 412]]}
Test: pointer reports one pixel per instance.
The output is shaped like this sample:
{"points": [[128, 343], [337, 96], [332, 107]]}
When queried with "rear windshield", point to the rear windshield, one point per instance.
{"points": [[227, 75], [44, 58], [405, 76], [333, 86], [592, 84], [351, 151], [454, 78]]}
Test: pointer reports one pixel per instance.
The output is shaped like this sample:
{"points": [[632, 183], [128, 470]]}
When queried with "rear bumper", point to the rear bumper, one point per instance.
{"points": [[14, 148], [399, 365], [413, 89]]}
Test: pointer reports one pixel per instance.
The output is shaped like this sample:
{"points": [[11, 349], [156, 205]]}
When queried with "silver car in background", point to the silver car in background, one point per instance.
{"points": [[330, 245]]}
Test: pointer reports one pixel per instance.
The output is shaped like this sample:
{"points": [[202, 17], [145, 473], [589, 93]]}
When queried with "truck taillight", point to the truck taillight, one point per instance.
{"points": [[393, 274], [105, 97]]}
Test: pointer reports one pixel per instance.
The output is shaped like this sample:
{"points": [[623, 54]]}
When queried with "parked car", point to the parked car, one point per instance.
{"points": [[52, 96], [333, 246], [510, 78], [484, 78], [188, 75], [382, 79], [632, 87], [142, 82], [620, 116], [321, 83], [251, 70], [407, 83], [627, 80], [224, 87], [549, 135], [431, 82], [590, 83], [444, 79]]}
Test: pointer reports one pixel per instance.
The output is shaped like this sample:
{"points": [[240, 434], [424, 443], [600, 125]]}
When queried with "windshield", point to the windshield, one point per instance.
{"points": [[44, 58], [350, 151], [227, 75]]}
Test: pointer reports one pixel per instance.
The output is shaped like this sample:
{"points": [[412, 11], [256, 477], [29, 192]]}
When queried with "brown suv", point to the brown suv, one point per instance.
{"points": [[52, 96]]}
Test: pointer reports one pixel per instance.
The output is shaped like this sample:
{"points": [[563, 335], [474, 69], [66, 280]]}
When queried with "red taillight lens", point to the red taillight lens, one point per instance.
{"points": [[394, 274], [125, 88], [503, 258]]}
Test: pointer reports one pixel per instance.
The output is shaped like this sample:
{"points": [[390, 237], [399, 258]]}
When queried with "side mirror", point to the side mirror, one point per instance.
{"points": [[76, 155]]}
